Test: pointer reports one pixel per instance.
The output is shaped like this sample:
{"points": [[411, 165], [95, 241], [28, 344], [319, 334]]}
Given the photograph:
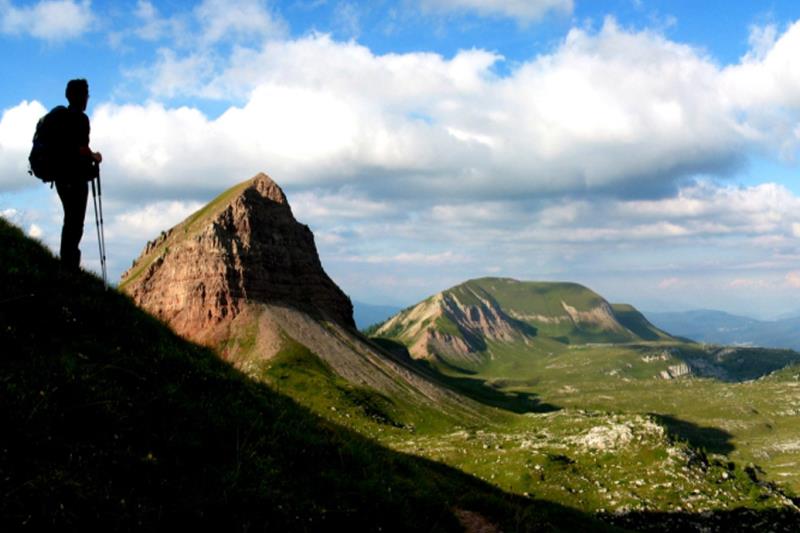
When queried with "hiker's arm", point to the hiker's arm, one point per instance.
{"points": [[86, 151]]}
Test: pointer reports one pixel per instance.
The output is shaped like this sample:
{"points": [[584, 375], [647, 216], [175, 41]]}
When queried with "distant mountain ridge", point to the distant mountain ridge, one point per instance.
{"points": [[719, 327], [456, 324]]}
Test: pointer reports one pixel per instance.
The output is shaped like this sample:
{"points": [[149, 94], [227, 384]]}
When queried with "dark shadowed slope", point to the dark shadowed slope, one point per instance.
{"points": [[111, 422]]}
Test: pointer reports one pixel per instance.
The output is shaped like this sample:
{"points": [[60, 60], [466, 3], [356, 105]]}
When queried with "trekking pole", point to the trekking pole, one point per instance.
{"points": [[97, 197], [102, 229]]}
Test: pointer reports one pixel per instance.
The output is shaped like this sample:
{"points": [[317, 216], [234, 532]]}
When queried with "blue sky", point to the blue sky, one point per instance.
{"points": [[645, 149]]}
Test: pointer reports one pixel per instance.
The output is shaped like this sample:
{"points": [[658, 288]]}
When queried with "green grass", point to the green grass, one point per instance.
{"points": [[445, 325], [535, 298], [544, 455], [636, 322], [112, 422], [714, 425], [300, 373]]}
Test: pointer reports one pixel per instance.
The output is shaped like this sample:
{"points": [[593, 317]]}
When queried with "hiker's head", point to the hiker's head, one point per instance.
{"points": [[78, 93]]}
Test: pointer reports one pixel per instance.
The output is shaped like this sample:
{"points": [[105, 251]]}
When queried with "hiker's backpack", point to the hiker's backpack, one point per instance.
{"points": [[44, 156]]}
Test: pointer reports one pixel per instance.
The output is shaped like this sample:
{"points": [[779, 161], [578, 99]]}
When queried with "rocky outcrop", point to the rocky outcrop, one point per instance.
{"points": [[483, 320], [445, 326], [245, 246], [601, 316], [676, 371]]}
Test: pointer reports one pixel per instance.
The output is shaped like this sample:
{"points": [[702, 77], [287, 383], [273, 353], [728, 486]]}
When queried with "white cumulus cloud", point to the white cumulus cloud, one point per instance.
{"points": [[17, 126], [146, 222], [50, 20], [222, 19], [438, 259]]}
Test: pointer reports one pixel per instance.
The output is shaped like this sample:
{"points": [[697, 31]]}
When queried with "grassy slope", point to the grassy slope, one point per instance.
{"points": [[531, 297], [631, 318], [112, 421], [750, 422], [304, 375], [677, 453]]}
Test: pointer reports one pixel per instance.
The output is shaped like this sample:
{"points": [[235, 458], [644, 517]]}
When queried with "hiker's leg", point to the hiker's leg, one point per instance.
{"points": [[74, 196]]}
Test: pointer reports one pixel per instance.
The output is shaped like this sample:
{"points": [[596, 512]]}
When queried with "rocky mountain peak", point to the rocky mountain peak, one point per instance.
{"points": [[268, 189], [245, 247]]}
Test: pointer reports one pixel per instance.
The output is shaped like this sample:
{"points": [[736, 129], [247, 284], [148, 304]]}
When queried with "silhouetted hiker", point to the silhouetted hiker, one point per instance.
{"points": [[75, 167]]}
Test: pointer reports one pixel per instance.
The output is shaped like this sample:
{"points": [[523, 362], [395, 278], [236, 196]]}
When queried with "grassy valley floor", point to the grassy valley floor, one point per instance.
{"points": [[645, 452], [753, 421]]}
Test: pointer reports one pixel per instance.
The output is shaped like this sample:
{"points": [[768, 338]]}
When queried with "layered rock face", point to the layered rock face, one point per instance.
{"points": [[446, 326], [244, 247]]}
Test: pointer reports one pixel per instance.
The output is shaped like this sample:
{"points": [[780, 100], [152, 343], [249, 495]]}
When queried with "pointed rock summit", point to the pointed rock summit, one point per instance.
{"points": [[243, 247]]}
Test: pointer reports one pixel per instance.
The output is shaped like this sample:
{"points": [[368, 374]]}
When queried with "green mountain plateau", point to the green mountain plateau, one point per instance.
{"points": [[456, 327], [245, 397]]}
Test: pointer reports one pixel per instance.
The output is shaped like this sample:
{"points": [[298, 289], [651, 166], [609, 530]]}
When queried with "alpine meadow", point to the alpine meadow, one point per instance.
{"points": [[421, 265]]}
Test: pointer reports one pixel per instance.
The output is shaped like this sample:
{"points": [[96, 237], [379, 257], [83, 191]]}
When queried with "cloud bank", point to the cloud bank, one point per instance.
{"points": [[616, 112]]}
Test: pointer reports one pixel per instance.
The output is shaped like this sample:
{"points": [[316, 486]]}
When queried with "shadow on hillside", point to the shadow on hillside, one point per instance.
{"points": [[710, 439], [478, 389], [482, 391], [524, 327], [732, 521]]}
